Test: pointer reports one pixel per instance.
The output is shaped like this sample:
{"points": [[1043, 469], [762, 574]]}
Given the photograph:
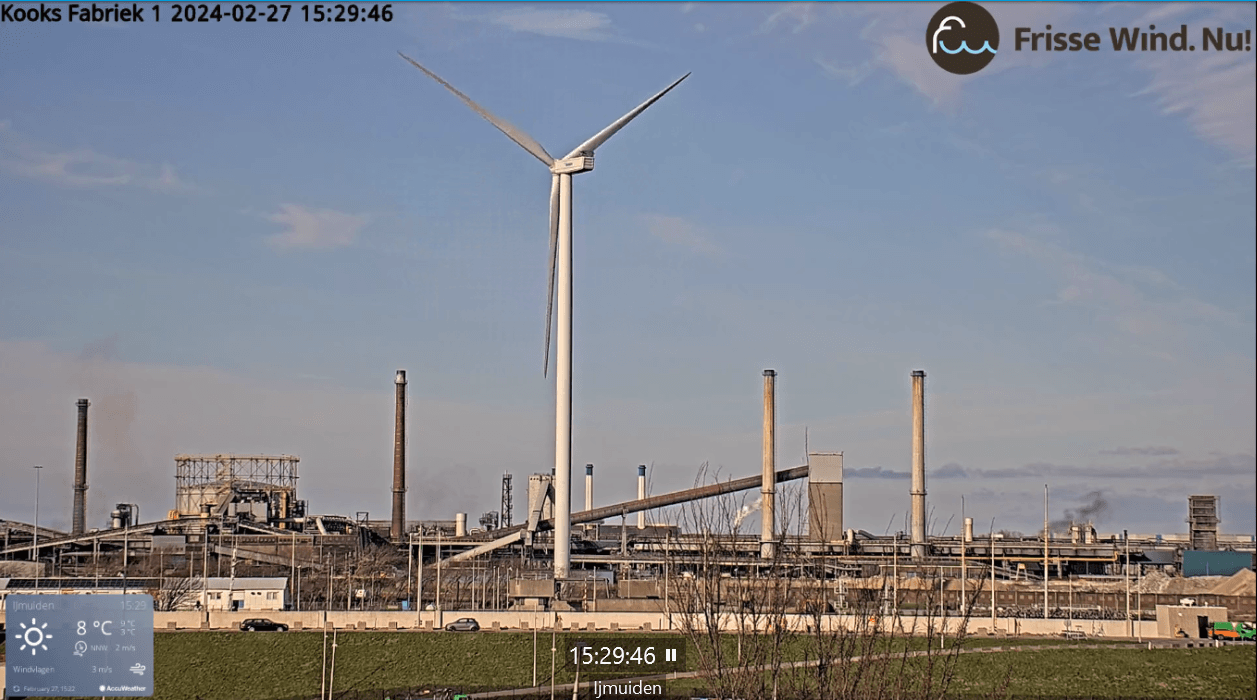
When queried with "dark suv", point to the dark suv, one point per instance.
{"points": [[261, 624]]}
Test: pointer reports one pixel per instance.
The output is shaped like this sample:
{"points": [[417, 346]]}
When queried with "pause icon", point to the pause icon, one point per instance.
{"points": [[670, 654]]}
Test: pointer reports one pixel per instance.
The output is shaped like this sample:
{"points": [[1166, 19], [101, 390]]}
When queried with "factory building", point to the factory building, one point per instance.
{"points": [[238, 523]]}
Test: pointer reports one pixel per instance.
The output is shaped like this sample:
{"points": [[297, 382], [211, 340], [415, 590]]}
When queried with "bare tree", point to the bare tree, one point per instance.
{"points": [[773, 629]]}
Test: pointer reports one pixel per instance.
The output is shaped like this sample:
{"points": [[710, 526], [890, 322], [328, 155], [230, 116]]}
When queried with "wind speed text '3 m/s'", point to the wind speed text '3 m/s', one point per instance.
{"points": [[1134, 39]]}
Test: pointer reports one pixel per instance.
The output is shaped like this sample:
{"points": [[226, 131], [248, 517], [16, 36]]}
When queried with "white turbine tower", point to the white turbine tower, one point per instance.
{"points": [[580, 160]]}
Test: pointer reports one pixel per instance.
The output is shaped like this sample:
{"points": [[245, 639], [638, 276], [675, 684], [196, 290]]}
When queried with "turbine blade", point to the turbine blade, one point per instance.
{"points": [[512, 132], [554, 252], [601, 137]]}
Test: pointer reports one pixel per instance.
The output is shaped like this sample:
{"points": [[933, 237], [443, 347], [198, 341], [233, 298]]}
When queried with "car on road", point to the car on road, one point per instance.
{"points": [[463, 624], [261, 624]]}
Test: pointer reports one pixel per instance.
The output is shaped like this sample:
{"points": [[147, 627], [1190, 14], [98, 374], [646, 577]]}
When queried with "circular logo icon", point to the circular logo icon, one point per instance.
{"points": [[962, 38]]}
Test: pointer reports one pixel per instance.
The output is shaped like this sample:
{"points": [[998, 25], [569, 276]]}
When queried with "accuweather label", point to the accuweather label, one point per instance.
{"points": [[97, 645]]}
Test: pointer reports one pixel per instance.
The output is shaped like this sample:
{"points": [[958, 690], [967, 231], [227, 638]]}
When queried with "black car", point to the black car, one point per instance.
{"points": [[261, 624], [463, 624]]}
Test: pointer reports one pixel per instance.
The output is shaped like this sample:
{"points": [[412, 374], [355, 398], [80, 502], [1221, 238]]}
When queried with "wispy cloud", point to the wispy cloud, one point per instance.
{"points": [[1216, 465], [1119, 295], [874, 473], [851, 75], [85, 168], [565, 23], [1215, 92], [678, 232], [796, 15], [315, 228], [1141, 451]]}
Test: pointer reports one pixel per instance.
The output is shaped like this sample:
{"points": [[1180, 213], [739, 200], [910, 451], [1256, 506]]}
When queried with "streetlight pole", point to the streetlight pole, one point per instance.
{"points": [[1046, 536], [964, 547], [38, 468], [1126, 575], [992, 575]]}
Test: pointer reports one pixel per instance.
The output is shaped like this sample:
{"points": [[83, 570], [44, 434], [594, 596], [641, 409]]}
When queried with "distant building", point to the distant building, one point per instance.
{"points": [[244, 593]]}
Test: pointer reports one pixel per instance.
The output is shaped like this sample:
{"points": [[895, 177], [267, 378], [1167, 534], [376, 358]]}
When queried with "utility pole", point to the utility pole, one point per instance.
{"points": [[992, 575], [1126, 575], [896, 573], [439, 613], [35, 553], [1046, 535], [964, 548], [332, 674], [323, 675]]}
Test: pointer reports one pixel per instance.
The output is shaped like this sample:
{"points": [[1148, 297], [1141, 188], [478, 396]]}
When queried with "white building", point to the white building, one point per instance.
{"points": [[244, 593]]}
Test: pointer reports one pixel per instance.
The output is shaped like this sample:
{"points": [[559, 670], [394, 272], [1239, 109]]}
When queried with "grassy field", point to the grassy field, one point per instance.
{"points": [[1114, 673], [235, 666]]}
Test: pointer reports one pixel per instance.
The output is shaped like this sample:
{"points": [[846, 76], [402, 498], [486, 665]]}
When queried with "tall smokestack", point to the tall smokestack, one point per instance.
{"points": [[769, 487], [918, 464], [80, 471], [641, 495], [398, 529], [589, 487]]}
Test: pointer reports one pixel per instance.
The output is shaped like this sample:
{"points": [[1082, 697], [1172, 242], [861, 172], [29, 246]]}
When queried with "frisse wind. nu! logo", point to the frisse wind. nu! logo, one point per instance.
{"points": [[962, 38]]}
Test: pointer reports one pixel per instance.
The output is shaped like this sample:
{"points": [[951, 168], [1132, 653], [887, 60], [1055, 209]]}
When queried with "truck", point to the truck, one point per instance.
{"points": [[1241, 631]]}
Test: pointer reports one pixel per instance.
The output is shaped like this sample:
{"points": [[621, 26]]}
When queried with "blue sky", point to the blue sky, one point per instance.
{"points": [[229, 237]]}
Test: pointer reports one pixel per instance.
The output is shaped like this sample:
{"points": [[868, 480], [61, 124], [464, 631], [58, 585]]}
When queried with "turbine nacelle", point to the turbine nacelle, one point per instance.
{"points": [[573, 165], [579, 160]]}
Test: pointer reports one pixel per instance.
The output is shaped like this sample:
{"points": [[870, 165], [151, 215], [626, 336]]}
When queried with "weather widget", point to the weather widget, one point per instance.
{"points": [[98, 645]]}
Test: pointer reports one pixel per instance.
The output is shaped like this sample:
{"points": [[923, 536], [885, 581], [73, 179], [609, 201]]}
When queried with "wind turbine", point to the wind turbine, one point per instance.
{"points": [[580, 160]]}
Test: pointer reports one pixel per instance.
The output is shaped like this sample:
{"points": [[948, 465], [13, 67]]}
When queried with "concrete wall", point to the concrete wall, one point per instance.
{"points": [[627, 621]]}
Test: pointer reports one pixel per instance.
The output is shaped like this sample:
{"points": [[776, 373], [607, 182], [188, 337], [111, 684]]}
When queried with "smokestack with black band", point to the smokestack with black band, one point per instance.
{"points": [[79, 516], [769, 487], [641, 495], [918, 464], [589, 487], [398, 529]]}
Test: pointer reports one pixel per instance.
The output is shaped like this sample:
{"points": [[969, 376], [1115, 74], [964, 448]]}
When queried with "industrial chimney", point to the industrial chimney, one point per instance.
{"points": [[769, 486], [589, 487], [968, 529], [79, 516], [641, 495], [918, 464], [398, 529]]}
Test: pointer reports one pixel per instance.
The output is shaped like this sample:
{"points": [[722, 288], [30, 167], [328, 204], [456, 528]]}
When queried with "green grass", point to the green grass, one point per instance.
{"points": [[1131, 672], [235, 666], [1112, 673]]}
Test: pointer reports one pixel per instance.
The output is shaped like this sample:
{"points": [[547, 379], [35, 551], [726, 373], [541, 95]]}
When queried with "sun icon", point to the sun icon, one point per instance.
{"points": [[34, 636]]}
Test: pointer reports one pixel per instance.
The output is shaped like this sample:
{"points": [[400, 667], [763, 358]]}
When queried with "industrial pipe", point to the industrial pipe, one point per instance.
{"points": [[398, 529], [641, 505], [79, 517], [918, 464], [768, 487], [589, 487], [641, 495]]}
